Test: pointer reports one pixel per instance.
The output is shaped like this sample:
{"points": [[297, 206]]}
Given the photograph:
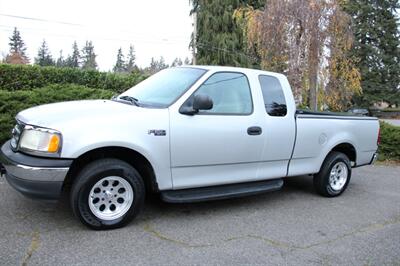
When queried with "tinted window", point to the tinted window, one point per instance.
{"points": [[274, 99], [230, 93]]}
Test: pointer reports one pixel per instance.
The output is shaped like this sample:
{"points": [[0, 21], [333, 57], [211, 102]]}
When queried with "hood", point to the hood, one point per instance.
{"points": [[58, 115]]}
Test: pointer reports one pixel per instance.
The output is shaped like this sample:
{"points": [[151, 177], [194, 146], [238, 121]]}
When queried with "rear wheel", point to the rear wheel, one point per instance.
{"points": [[107, 193], [334, 176]]}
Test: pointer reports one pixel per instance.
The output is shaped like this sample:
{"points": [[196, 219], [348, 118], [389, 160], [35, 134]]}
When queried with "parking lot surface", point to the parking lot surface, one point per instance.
{"points": [[293, 226]]}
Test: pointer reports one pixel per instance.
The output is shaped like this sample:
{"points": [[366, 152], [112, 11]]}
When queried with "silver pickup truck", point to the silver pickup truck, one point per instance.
{"points": [[188, 133]]}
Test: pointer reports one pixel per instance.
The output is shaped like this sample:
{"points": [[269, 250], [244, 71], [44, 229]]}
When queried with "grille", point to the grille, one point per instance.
{"points": [[16, 134]]}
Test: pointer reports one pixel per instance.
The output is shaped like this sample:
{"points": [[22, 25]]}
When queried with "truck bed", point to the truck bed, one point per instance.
{"points": [[332, 115], [318, 132]]}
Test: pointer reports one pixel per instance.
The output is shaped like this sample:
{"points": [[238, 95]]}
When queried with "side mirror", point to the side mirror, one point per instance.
{"points": [[202, 102], [199, 102]]}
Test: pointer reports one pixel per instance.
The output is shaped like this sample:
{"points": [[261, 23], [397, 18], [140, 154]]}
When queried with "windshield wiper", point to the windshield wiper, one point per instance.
{"points": [[131, 99]]}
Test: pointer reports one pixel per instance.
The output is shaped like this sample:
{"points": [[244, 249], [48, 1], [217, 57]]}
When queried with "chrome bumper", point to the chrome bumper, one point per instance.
{"points": [[33, 173], [34, 177]]}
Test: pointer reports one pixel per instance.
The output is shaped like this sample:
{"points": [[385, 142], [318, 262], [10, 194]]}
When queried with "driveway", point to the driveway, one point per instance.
{"points": [[293, 226], [394, 122]]}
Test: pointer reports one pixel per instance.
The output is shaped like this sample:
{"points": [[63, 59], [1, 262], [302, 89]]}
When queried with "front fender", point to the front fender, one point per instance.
{"points": [[134, 133]]}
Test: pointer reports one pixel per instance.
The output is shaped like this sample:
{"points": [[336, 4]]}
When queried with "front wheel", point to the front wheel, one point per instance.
{"points": [[334, 176], [107, 194]]}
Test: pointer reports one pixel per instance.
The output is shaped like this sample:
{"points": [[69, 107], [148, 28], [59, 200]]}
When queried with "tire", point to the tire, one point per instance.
{"points": [[107, 194], [334, 176]]}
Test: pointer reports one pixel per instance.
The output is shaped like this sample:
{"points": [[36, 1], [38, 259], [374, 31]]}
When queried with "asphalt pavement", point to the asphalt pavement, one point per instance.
{"points": [[293, 226]]}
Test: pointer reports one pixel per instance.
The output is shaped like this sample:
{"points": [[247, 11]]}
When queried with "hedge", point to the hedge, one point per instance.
{"points": [[389, 149], [11, 102], [23, 77]]}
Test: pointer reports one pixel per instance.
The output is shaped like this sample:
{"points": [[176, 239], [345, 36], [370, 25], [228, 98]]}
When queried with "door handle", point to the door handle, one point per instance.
{"points": [[252, 131]]}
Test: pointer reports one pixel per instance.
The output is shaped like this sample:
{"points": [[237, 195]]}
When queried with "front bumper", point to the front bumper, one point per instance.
{"points": [[34, 177]]}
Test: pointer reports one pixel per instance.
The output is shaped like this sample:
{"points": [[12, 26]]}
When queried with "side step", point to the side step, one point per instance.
{"points": [[221, 192]]}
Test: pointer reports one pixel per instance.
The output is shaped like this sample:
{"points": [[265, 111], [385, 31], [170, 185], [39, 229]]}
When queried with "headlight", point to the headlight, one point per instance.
{"points": [[16, 135], [40, 140]]}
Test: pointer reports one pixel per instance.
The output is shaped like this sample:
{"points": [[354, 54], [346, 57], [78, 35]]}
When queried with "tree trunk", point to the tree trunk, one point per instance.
{"points": [[313, 65]]}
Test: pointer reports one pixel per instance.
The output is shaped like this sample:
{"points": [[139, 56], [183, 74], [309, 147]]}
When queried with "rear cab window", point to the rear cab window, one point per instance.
{"points": [[274, 98]]}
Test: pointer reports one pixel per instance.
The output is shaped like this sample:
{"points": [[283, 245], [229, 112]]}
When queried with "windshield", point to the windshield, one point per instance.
{"points": [[163, 88]]}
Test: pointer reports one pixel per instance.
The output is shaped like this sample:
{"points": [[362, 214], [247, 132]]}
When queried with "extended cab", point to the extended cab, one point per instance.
{"points": [[189, 133]]}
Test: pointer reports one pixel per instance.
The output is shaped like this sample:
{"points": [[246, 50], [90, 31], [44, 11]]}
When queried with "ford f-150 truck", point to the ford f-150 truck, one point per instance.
{"points": [[190, 134]]}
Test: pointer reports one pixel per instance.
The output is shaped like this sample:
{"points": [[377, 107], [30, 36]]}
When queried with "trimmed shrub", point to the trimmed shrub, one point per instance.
{"points": [[22, 77], [12, 102], [389, 149]]}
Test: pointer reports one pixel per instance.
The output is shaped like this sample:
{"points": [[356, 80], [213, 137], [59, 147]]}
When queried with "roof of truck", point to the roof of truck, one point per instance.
{"points": [[233, 69]]}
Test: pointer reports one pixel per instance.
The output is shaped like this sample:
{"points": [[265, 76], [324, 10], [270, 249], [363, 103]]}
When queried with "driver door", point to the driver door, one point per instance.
{"points": [[217, 146]]}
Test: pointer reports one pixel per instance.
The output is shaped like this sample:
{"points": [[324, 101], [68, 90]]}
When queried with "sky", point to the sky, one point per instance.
{"points": [[154, 27]]}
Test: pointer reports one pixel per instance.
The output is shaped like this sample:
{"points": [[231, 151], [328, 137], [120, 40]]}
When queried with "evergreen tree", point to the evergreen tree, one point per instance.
{"points": [[377, 46], [44, 57], [161, 63], [17, 53], [88, 56], [61, 62], [176, 62], [156, 65], [131, 64], [187, 61], [120, 64], [74, 59], [219, 40]]}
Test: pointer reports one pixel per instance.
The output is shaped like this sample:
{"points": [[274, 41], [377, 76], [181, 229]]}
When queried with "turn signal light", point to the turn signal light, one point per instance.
{"points": [[53, 143]]}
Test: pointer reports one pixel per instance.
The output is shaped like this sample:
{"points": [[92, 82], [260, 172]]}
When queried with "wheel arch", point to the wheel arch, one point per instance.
{"points": [[348, 149], [133, 157], [344, 147]]}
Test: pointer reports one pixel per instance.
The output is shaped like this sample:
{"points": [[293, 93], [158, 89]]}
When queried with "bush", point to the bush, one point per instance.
{"points": [[389, 149], [23, 77], [12, 102]]}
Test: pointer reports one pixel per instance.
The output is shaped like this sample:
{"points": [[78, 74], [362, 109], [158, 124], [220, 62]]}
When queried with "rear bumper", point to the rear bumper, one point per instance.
{"points": [[374, 158], [34, 177], [368, 161]]}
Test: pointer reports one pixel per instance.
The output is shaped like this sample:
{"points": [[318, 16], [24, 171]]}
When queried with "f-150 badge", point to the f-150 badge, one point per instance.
{"points": [[157, 132]]}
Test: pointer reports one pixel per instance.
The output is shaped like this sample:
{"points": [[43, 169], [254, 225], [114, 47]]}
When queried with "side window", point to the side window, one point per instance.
{"points": [[230, 93], [274, 99]]}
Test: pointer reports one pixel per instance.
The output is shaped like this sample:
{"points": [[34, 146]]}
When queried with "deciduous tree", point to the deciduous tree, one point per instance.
{"points": [[292, 37], [343, 76]]}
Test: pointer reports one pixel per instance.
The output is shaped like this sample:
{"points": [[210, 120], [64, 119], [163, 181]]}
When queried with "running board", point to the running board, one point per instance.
{"points": [[221, 192]]}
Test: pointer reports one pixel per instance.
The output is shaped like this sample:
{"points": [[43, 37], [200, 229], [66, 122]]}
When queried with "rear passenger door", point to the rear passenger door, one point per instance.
{"points": [[278, 127]]}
